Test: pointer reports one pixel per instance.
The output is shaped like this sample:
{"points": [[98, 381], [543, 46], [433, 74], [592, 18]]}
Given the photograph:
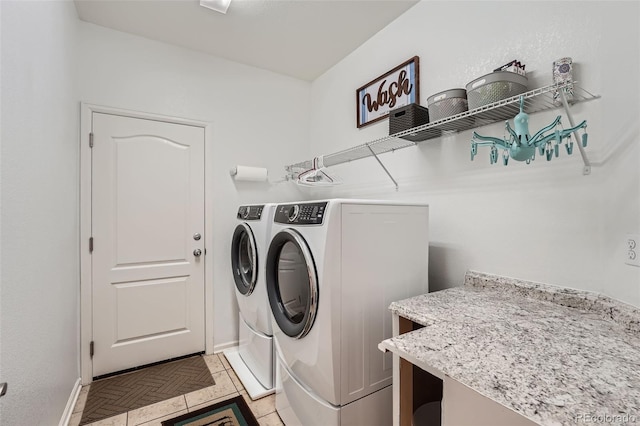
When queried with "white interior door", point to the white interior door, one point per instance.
{"points": [[147, 261]]}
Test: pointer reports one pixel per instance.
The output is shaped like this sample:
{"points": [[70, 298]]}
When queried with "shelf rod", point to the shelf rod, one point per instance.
{"points": [[383, 167], [587, 164]]}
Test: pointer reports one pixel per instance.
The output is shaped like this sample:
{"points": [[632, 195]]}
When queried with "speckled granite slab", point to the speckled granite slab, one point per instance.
{"points": [[549, 353], [626, 315]]}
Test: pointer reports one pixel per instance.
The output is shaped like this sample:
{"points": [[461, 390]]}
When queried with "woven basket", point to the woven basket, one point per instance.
{"points": [[445, 104], [495, 87], [408, 117]]}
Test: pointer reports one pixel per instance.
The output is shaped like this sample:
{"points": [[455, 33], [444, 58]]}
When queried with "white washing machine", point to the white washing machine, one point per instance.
{"points": [[253, 359], [333, 268]]}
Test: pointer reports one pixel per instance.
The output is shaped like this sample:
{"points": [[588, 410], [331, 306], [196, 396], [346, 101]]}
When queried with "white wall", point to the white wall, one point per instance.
{"points": [[545, 221], [542, 222], [259, 119], [39, 215]]}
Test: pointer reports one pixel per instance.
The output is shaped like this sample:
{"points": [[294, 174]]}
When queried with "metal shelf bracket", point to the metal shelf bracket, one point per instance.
{"points": [[587, 164], [383, 167]]}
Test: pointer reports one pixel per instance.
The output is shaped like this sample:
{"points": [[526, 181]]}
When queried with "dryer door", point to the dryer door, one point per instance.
{"points": [[292, 283], [244, 259]]}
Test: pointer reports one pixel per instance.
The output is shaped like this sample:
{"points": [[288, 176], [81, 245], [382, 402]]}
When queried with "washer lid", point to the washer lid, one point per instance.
{"points": [[292, 283], [244, 259]]}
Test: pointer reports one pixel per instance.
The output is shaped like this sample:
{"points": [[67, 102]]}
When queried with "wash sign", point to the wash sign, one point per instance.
{"points": [[396, 88]]}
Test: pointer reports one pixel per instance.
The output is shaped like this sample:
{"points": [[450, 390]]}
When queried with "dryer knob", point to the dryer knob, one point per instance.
{"points": [[245, 213], [293, 212]]}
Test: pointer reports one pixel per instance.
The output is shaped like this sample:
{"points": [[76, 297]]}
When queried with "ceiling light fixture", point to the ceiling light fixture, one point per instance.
{"points": [[217, 5]]}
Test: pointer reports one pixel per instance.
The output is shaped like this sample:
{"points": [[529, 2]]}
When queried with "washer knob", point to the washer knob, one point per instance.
{"points": [[293, 212], [245, 213]]}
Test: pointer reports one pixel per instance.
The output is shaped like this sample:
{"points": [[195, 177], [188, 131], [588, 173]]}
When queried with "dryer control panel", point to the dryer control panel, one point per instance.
{"points": [[250, 212], [301, 214]]}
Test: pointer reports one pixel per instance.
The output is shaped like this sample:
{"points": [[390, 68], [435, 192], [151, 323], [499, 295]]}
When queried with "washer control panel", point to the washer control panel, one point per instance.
{"points": [[300, 214], [250, 212]]}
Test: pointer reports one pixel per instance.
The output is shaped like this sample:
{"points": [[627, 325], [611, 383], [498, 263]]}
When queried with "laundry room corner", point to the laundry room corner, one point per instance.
{"points": [[258, 118]]}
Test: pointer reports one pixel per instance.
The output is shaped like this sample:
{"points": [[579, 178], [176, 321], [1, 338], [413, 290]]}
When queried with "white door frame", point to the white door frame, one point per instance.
{"points": [[86, 311]]}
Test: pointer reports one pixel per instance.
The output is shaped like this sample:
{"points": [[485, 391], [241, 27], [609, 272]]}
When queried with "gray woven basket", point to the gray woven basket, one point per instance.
{"points": [[445, 104], [494, 87]]}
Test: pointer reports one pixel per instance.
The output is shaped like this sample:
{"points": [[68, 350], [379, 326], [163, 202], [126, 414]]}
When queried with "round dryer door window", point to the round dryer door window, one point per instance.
{"points": [[292, 283], [244, 259]]}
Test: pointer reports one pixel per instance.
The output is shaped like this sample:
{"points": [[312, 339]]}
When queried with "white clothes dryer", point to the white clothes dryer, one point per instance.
{"points": [[253, 359], [333, 268]]}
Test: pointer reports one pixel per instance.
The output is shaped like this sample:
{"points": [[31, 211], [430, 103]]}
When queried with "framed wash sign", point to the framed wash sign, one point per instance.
{"points": [[394, 89]]}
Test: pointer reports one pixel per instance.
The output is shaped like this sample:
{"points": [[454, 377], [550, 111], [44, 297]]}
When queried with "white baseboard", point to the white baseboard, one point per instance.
{"points": [[223, 346], [73, 398]]}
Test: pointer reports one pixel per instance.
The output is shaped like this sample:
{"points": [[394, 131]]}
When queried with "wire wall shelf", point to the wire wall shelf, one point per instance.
{"points": [[536, 100]]}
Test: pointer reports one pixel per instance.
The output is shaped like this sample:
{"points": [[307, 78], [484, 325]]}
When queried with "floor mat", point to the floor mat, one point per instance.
{"points": [[119, 394], [231, 412]]}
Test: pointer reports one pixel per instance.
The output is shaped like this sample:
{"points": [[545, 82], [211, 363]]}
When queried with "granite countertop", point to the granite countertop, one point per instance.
{"points": [[551, 354]]}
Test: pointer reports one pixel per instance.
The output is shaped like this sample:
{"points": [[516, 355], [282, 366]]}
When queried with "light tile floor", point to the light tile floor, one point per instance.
{"points": [[227, 386]]}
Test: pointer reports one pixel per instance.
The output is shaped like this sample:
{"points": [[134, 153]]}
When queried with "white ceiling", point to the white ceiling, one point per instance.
{"points": [[299, 38]]}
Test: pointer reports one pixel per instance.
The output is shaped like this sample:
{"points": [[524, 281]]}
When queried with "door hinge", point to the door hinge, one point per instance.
{"points": [[91, 245], [91, 140], [91, 349]]}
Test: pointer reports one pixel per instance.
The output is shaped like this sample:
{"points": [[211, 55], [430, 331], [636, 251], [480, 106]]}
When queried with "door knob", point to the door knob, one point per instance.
{"points": [[197, 236], [197, 252], [3, 389]]}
